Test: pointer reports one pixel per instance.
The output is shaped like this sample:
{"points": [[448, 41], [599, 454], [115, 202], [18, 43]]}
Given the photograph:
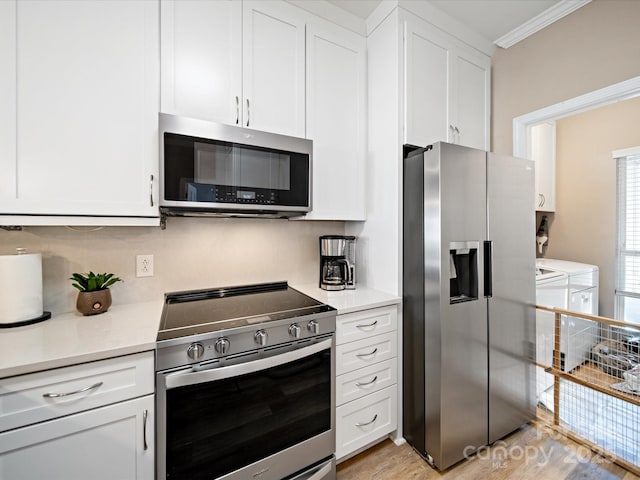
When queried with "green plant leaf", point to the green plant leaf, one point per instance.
{"points": [[90, 282]]}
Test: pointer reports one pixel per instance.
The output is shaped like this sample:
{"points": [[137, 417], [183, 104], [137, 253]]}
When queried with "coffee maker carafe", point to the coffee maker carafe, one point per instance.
{"points": [[337, 262]]}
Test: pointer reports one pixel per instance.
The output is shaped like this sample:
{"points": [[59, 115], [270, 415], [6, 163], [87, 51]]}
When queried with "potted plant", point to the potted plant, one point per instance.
{"points": [[94, 296]]}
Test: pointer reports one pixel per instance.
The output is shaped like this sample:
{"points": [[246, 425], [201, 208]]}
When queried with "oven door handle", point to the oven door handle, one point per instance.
{"points": [[189, 377]]}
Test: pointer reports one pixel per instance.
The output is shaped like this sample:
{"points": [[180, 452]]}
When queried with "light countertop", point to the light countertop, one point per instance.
{"points": [[71, 338], [347, 301]]}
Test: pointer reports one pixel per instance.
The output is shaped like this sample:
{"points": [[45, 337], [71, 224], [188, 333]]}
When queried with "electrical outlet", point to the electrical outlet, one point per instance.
{"points": [[144, 265]]}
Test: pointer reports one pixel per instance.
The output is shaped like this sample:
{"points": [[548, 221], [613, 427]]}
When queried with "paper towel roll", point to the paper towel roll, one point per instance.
{"points": [[20, 287]]}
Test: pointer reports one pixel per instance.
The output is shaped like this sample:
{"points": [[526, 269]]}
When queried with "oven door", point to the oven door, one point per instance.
{"points": [[266, 414]]}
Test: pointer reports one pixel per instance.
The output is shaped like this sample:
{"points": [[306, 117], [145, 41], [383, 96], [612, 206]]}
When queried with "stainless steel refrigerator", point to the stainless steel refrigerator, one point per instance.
{"points": [[468, 299]]}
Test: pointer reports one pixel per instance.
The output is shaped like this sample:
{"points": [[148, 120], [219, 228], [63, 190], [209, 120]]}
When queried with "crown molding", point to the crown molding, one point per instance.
{"points": [[550, 15]]}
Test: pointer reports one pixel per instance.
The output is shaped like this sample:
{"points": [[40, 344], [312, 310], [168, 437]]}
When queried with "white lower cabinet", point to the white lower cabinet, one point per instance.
{"points": [[366, 420], [367, 375], [108, 443], [88, 421]]}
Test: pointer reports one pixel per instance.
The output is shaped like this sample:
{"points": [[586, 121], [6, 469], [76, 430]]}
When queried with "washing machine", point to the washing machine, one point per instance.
{"points": [[551, 291], [579, 335]]}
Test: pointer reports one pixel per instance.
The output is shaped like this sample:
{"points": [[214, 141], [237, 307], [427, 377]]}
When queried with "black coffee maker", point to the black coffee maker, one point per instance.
{"points": [[337, 262]]}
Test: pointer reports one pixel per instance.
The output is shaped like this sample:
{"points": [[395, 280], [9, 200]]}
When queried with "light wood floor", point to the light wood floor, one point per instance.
{"points": [[533, 452]]}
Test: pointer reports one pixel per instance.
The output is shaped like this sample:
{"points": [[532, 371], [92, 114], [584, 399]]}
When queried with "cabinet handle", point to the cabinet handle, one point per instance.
{"points": [[237, 110], [368, 325], [58, 395], [151, 189], [458, 134], [364, 384], [375, 417], [248, 113], [144, 429], [453, 133], [542, 200], [367, 354]]}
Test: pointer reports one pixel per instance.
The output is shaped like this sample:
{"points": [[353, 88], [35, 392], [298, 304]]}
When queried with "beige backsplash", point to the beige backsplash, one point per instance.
{"points": [[191, 253]]}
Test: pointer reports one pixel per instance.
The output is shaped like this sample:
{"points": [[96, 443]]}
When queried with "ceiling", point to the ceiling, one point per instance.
{"points": [[492, 19]]}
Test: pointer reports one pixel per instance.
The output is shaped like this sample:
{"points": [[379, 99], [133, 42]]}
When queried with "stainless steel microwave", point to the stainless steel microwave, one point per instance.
{"points": [[209, 168]]}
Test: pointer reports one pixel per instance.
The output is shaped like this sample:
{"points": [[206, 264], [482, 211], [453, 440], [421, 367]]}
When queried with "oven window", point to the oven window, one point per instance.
{"points": [[218, 427]]}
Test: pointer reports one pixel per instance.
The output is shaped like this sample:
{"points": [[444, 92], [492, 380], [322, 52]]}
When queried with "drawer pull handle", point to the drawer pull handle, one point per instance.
{"points": [[375, 417], [369, 325], [375, 350], [144, 429], [58, 395], [364, 384]]}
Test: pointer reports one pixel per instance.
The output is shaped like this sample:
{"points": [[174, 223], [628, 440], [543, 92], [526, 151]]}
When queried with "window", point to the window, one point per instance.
{"points": [[628, 240]]}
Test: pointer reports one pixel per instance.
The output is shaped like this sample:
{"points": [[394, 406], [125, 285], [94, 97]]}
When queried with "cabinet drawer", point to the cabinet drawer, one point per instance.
{"points": [[35, 397], [367, 323], [365, 420], [361, 382], [362, 353]]}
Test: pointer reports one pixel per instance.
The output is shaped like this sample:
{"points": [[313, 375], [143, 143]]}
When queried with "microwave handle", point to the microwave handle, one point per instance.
{"points": [[188, 377]]}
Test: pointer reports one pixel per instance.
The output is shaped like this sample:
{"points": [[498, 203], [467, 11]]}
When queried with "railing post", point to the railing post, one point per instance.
{"points": [[556, 367]]}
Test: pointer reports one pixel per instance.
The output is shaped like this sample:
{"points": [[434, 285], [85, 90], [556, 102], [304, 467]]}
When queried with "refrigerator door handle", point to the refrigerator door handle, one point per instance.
{"points": [[488, 277]]}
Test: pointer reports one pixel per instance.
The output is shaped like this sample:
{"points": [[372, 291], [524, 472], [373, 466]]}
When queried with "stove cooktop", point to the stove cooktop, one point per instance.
{"points": [[202, 311]]}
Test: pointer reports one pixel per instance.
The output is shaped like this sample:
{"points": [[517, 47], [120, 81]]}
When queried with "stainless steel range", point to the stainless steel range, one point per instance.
{"points": [[245, 382]]}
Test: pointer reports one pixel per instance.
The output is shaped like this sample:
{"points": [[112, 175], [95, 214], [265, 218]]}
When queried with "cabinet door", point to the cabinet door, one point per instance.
{"points": [[102, 444], [202, 59], [336, 119], [470, 98], [8, 105], [273, 67], [87, 106], [542, 145], [426, 97]]}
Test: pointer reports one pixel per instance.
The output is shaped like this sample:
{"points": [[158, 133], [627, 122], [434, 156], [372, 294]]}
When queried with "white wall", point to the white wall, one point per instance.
{"points": [[592, 48], [191, 253]]}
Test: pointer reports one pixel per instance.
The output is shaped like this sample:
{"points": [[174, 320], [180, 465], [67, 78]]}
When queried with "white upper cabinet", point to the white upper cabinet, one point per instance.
{"points": [[336, 121], [471, 97], [8, 108], [273, 83], [427, 86], [271, 66], [239, 63], [202, 59], [542, 150], [81, 123], [447, 89]]}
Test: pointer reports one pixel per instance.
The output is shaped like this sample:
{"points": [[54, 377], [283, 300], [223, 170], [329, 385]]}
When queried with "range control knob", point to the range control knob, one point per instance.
{"points": [[295, 330], [222, 345], [261, 338], [313, 327], [195, 351]]}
